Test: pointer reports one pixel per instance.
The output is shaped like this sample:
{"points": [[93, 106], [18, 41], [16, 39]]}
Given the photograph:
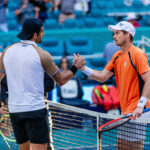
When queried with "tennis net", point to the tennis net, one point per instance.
{"points": [[76, 129]]}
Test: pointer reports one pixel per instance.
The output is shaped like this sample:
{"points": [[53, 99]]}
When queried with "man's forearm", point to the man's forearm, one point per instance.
{"points": [[146, 89], [98, 76], [145, 94], [64, 76]]}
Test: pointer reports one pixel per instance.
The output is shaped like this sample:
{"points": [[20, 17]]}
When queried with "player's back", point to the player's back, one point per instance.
{"points": [[25, 76]]}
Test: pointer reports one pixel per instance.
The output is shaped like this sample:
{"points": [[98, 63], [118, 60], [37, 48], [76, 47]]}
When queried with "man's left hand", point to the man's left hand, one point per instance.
{"points": [[138, 111]]}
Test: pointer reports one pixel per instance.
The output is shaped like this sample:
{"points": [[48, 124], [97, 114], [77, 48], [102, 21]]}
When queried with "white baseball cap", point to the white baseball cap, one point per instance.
{"points": [[124, 26]]}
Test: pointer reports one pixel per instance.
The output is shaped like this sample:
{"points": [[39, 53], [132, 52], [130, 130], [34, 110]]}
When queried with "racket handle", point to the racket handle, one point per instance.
{"points": [[146, 110]]}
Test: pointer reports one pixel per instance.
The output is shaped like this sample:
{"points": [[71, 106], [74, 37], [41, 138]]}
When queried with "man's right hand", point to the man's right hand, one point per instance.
{"points": [[79, 61]]}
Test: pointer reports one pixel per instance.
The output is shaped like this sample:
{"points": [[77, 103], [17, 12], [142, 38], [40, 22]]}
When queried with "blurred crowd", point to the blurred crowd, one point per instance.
{"points": [[40, 9]]}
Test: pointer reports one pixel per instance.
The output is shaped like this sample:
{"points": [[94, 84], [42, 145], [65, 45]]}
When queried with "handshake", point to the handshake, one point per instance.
{"points": [[79, 62]]}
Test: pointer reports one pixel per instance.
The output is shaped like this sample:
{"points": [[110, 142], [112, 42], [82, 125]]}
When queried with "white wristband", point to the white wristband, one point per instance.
{"points": [[142, 102], [88, 71]]}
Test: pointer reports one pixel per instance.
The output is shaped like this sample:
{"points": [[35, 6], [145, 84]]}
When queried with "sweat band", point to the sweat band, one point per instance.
{"points": [[74, 69], [142, 102], [88, 71]]}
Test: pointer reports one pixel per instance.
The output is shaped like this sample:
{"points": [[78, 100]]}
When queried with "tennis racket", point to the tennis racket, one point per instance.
{"points": [[117, 122], [7, 138]]}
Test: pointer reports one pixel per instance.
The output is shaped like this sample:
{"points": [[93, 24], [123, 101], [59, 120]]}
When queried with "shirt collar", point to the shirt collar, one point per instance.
{"points": [[28, 42], [131, 47]]}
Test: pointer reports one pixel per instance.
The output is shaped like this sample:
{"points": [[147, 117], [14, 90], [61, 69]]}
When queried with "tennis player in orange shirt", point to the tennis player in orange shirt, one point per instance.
{"points": [[131, 69]]}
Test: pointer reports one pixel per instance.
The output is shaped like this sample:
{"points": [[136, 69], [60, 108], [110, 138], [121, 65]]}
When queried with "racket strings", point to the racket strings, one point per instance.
{"points": [[7, 137]]}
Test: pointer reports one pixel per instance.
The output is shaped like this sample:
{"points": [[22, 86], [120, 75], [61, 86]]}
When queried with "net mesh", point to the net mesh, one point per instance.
{"points": [[130, 136], [75, 128]]}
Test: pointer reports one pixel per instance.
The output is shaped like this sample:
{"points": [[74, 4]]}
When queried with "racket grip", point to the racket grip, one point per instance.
{"points": [[146, 110]]}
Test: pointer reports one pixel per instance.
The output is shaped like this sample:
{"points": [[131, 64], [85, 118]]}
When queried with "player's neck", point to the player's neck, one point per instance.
{"points": [[126, 47], [33, 40]]}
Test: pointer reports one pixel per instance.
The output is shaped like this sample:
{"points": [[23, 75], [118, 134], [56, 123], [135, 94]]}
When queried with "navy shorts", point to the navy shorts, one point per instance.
{"points": [[31, 126]]}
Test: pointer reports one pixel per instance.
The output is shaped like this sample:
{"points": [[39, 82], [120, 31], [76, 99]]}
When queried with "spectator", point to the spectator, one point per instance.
{"points": [[67, 9], [55, 6], [24, 11], [71, 93], [146, 2], [110, 49], [64, 64], [82, 5], [40, 9], [131, 17], [3, 23]]}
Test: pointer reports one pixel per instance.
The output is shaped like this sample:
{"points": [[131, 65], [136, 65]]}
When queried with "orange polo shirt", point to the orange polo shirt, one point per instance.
{"points": [[127, 78]]}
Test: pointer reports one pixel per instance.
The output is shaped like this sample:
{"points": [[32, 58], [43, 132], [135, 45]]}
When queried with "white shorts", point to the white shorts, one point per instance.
{"points": [[132, 130]]}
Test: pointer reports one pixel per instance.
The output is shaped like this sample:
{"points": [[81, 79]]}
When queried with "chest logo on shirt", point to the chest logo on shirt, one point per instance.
{"points": [[125, 64]]}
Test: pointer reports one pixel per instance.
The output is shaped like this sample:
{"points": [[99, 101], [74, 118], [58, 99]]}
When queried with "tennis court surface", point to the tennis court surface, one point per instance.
{"points": [[76, 129]]}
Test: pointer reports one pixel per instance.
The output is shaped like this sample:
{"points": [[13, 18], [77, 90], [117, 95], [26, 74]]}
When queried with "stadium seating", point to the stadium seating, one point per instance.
{"points": [[96, 13], [145, 20], [78, 45], [53, 46], [97, 63], [57, 62], [12, 6], [51, 24], [99, 10], [79, 15], [70, 24], [138, 5], [11, 16], [56, 14], [12, 25], [90, 23]]}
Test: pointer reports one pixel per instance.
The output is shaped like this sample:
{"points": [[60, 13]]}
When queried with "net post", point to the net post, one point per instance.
{"points": [[50, 145], [98, 140]]}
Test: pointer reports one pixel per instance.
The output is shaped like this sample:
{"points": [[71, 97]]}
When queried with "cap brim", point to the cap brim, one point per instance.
{"points": [[112, 28], [24, 36]]}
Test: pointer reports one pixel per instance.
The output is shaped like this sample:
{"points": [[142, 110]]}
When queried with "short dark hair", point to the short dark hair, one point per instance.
{"points": [[29, 38], [131, 37]]}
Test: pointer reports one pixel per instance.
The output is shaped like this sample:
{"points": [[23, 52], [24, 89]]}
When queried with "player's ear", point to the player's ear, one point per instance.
{"points": [[35, 36], [128, 34]]}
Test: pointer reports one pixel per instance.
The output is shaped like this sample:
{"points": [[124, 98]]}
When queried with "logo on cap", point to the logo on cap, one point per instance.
{"points": [[121, 24]]}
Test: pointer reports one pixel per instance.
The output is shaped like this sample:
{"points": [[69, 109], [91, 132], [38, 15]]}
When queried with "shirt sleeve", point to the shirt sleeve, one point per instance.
{"points": [[47, 61], [142, 63], [48, 64], [110, 65]]}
